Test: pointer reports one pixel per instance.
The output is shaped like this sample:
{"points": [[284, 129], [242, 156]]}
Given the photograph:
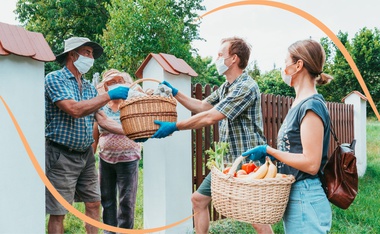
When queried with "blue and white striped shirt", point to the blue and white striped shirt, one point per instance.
{"points": [[60, 127]]}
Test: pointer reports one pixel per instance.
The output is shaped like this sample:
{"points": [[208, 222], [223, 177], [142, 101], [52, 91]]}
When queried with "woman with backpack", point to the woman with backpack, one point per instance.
{"points": [[303, 140]]}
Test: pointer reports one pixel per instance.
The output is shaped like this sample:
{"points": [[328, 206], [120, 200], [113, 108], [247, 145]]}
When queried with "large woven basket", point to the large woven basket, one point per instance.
{"points": [[137, 115], [260, 201]]}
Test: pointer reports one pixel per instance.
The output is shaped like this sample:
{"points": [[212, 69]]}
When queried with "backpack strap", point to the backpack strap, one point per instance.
{"points": [[332, 130]]}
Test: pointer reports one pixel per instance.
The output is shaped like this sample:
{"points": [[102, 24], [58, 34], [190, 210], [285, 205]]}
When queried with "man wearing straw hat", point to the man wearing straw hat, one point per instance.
{"points": [[71, 106], [236, 105]]}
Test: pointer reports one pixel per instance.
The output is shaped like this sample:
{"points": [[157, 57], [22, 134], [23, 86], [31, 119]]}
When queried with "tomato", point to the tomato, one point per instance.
{"points": [[226, 170], [248, 167]]}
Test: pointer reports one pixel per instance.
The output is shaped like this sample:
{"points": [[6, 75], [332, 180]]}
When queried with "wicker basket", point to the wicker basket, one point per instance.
{"points": [[137, 115], [260, 201]]}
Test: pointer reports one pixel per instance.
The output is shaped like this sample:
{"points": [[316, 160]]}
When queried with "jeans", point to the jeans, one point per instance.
{"points": [[122, 179], [308, 209]]}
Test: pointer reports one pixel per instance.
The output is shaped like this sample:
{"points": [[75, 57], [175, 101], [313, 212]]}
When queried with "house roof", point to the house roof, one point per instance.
{"points": [[16, 40], [357, 93], [169, 63]]}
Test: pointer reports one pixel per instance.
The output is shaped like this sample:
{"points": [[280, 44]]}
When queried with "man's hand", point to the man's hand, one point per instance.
{"points": [[120, 92], [166, 128]]}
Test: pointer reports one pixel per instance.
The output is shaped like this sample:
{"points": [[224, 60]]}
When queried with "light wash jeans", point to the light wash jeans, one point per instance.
{"points": [[308, 210]]}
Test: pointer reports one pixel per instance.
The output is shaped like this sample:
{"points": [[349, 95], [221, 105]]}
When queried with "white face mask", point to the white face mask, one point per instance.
{"points": [[111, 87], [287, 78], [220, 66], [83, 64]]}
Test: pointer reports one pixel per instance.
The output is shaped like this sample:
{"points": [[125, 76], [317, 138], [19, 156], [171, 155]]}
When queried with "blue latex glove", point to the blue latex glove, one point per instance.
{"points": [[166, 128], [174, 90], [257, 153], [120, 92]]}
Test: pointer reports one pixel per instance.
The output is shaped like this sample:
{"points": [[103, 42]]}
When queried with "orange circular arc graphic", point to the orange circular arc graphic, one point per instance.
{"points": [[317, 23], [63, 202], [100, 225]]}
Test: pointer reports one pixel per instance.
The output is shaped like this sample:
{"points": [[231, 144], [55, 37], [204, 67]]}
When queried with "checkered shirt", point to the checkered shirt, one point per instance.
{"points": [[240, 102], [60, 127]]}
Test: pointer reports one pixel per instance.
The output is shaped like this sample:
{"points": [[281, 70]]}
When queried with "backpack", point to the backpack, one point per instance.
{"points": [[339, 176]]}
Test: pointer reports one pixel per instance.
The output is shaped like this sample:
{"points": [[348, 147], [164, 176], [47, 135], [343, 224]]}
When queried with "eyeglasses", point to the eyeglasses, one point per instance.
{"points": [[115, 81]]}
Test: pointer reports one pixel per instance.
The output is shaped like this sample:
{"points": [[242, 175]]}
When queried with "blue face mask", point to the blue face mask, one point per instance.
{"points": [[83, 64]]}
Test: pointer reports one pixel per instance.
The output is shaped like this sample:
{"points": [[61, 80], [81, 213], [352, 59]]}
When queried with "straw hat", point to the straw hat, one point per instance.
{"points": [[109, 75], [76, 42]]}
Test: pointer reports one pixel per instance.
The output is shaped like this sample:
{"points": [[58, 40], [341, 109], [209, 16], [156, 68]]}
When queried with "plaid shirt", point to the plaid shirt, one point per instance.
{"points": [[60, 127], [240, 102]]}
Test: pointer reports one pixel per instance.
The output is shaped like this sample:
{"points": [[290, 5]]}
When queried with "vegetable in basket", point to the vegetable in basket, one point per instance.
{"points": [[249, 167], [267, 170], [216, 157]]}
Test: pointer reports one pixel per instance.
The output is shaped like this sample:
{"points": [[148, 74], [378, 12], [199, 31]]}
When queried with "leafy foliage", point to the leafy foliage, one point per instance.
{"points": [[59, 20], [364, 48], [207, 73], [216, 156], [271, 82], [139, 27]]}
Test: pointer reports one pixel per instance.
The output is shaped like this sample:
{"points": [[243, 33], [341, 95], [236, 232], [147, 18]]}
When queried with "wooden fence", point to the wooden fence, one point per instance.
{"points": [[274, 110]]}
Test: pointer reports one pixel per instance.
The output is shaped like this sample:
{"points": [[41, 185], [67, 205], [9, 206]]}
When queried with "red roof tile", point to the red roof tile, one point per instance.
{"points": [[169, 63], [2, 51], [16, 40], [357, 93]]}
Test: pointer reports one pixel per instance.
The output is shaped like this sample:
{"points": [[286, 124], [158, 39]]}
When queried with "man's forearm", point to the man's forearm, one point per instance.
{"points": [[109, 124], [192, 104]]}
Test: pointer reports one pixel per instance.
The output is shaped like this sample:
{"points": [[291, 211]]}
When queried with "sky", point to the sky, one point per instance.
{"points": [[268, 29]]}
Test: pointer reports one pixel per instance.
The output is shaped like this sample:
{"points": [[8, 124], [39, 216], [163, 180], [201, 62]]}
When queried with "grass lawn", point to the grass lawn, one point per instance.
{"points": [[361, 217]]}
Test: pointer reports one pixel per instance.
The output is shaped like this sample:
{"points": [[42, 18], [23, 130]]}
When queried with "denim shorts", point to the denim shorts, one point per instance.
{"points": [[73, 175], [308, 209]]}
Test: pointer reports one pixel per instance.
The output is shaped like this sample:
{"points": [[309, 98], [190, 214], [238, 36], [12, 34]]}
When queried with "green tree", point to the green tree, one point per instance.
{"points": [[364, 48], [59, 20], [366, 54], [254, 70], [139, 27], [333, 91], [271, 82], [207, 73]]}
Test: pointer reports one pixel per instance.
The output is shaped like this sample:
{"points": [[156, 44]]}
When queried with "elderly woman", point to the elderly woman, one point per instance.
{"points": [[119, 161]]}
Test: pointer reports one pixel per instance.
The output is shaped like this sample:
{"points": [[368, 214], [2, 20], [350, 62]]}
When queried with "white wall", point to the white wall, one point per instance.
{"points": [[360, 122], [167, 165], [22, 199]]}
